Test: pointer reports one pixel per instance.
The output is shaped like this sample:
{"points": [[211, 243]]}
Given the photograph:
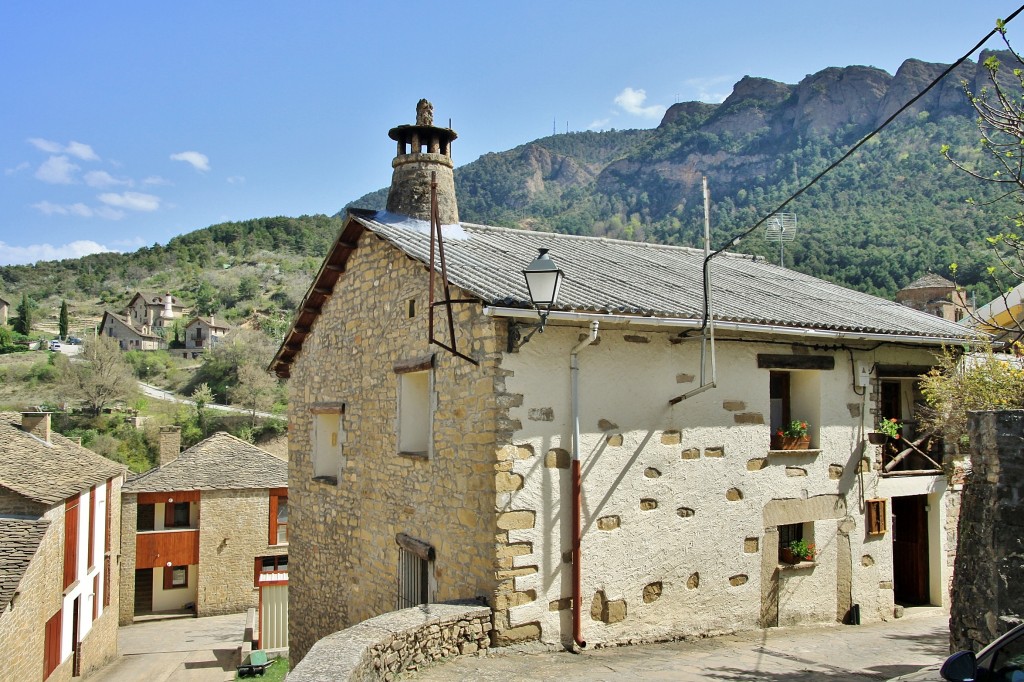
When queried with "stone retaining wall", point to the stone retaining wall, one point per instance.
{"points": [[382, 647]]}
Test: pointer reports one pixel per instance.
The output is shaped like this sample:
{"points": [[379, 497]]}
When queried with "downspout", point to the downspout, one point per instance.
{"points": [[577, 485]]}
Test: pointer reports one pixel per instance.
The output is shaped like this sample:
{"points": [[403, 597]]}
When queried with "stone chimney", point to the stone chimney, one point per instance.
{"points": [[36, 423], [423, 149], [170, 444]]}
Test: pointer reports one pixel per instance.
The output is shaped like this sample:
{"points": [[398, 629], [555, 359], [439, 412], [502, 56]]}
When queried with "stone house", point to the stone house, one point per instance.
{"points": [[60, 510], [144, 323], [5, 309], [936, 295], [202, 334], [418, 474], [205, 529]]}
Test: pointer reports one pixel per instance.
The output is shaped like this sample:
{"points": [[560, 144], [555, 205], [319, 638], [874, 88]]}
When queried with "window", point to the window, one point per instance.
{"points": [[175, 577], [796, 395], [328, 438], [415, 571], [278, 516], [146, 517], [793, 532], [414, 413], [176, 514], [70, 541], [875, 516], [274, 564]]}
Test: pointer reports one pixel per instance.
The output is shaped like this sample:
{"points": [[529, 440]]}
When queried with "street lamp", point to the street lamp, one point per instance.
{"points": [[543, 281]]}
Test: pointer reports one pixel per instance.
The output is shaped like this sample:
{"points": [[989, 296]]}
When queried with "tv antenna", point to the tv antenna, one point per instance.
{"points": [[781, 228]]}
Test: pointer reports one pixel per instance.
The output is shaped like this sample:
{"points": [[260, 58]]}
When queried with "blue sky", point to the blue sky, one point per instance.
{"points": [[123, 124]]}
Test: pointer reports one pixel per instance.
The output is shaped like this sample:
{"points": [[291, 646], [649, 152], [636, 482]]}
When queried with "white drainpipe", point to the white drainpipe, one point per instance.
{"points": [[577, 481]]}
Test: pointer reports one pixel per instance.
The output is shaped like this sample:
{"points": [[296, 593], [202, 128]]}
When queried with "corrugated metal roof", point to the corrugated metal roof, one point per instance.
{"points": [[617, 277], [635, 278]]}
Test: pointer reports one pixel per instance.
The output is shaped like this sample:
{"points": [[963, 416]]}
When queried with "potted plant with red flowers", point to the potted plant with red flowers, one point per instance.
{"points": [[887, 428], [792, 436], [797, 551]]}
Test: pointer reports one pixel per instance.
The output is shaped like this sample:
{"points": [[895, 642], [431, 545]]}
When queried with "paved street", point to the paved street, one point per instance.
{"points": [[843, 653], [179, 650]]}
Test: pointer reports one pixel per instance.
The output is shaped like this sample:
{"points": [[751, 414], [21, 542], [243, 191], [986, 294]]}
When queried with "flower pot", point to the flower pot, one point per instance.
{"points": [[792, 442], [877, 438], [788, 556]]}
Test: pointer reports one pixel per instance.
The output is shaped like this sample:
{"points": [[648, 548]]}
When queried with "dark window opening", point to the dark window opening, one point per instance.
{"points": [[146, 517]]}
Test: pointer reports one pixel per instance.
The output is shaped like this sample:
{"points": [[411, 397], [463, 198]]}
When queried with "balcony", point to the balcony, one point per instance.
{"points": [[175, 547]]}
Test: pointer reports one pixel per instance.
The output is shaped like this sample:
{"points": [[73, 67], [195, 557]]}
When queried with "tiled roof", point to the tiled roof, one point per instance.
{"points": [[19, 540], [206, 320], [124, 323], [611, 276], [930, 281], [221, 462], [48, 473]]}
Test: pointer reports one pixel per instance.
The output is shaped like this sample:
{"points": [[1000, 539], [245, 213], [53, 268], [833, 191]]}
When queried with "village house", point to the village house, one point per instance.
{"points": [[439, 440], [936, 295], [5, 309], [145, 322], [59, 537], [202, 334], [207, 530]]}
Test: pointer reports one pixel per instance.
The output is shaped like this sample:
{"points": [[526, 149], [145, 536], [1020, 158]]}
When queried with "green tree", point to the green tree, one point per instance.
{"points": [[23, 321], [201, 397], [99, 377], [248, 288], [62, 322], [206, 298], [255, 389]]}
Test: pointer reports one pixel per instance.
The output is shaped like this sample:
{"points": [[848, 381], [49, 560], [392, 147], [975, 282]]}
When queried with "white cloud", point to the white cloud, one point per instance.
{"points": [[104, 179], [57, 170], [198, 160], [632, 102], [155, 180], [17, 169], [48, 146], [20, 255], [236, 180], [135, 201], [599, 124], [81, 151]]}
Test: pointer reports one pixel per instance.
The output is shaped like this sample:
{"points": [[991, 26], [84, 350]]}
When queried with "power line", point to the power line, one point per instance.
{"points": [[848, 154]]}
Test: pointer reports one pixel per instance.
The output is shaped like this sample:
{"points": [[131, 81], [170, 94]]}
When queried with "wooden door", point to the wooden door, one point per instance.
{"points": [[143, 590], [910, 549]]}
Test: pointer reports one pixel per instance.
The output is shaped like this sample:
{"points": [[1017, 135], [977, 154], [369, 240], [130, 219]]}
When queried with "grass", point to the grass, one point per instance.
{"points": [[275, 672]]}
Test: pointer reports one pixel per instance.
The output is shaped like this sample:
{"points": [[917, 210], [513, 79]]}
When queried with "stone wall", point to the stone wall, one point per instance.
{"points": [[126, 565], [988, 582], [381, 648], [234, 527], [345, 566]]}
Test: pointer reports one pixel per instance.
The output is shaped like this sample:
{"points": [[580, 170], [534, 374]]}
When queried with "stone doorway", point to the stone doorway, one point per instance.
{"points": [[910, 550]]}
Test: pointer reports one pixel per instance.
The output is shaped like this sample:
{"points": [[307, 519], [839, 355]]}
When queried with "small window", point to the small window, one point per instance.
{"points": [[414, 413], [414, 574], [278, 516], [329, 439], [176, 515], [175, 577], [274, 564], [876, 514], [146, 517]]}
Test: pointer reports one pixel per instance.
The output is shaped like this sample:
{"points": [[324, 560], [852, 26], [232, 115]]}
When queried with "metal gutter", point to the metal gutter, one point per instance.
{"points": [[685, 323]]}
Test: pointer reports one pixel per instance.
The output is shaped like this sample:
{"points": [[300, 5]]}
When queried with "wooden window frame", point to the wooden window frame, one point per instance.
{"points": [[169, 578], [875, 515], [70, 541], [106, 545], [258, 566], [276, 494], [170, 513]]}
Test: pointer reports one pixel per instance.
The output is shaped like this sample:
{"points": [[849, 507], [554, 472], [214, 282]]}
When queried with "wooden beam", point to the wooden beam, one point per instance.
{"points": [[410, 544], [771, 361]]}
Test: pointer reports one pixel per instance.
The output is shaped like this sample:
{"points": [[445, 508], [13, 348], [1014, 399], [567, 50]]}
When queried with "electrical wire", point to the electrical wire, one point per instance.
{"points": [[848, 154]]}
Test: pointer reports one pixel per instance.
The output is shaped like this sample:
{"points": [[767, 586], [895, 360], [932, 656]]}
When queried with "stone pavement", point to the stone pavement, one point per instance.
{"points": [[177, 650], [840, 653]]}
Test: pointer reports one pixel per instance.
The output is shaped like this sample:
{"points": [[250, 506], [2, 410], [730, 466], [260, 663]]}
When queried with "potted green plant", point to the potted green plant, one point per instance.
{"points": [[797, 551], [792, 436], [886, 429]]}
